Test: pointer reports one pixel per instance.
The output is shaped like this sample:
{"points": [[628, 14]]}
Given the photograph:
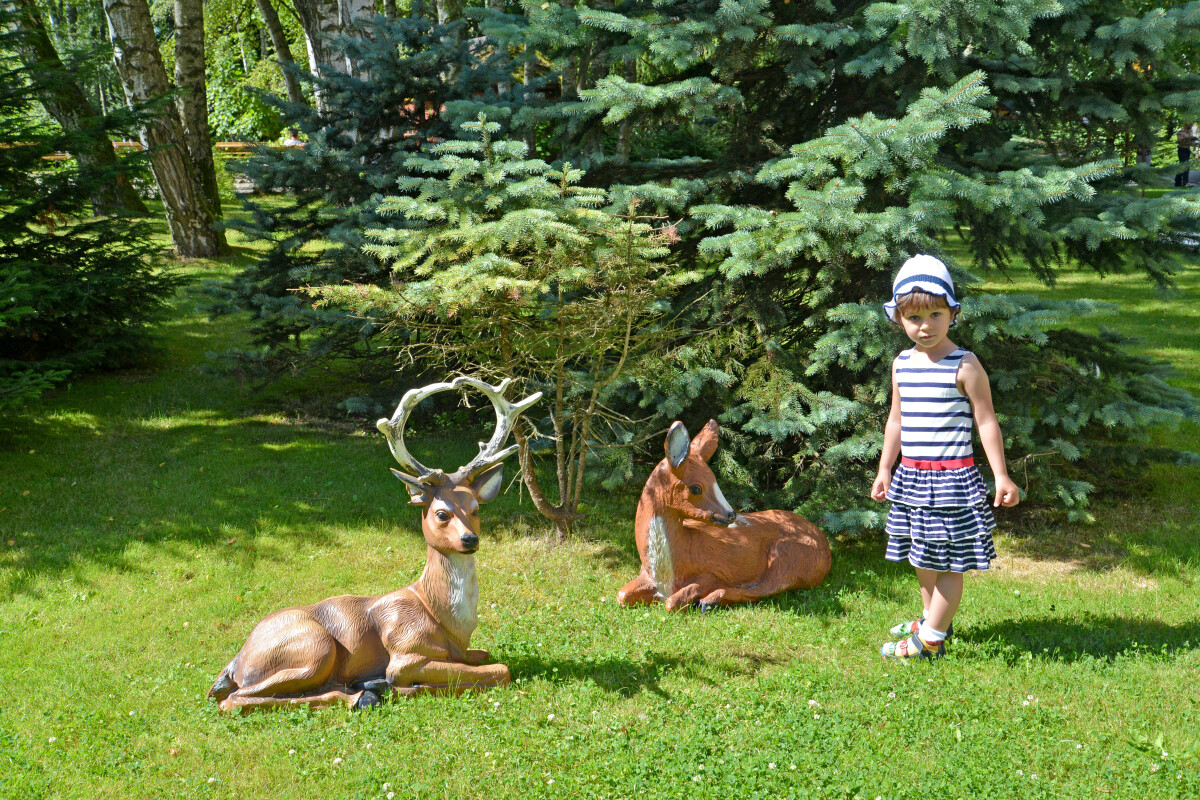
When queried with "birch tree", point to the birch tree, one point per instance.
{"points": [[283, 51], [64, 100], [192, 100], [140, 67]]}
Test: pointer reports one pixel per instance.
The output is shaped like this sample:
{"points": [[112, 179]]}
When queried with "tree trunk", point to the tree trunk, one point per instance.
{"points": [[350, 13], [283, 52], [389, 9], [192, 100], [65, 101], [319, 19], [135, 53]]}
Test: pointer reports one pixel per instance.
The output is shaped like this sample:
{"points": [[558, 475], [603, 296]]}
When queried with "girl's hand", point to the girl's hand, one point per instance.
{"points": [[1007, 493], [879, 488]]}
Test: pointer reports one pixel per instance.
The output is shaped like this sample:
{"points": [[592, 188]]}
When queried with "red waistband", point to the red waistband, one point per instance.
{"points": [[953, 463]]}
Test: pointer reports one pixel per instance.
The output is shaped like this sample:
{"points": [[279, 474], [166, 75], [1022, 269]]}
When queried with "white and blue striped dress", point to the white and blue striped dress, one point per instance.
{"points": [[940, 518]]}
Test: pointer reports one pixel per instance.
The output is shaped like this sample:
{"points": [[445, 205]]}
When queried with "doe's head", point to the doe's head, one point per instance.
{"points": [[692, 487]]}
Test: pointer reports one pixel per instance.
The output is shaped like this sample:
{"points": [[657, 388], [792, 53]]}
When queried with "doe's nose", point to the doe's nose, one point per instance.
{"points": [[470, 540]]}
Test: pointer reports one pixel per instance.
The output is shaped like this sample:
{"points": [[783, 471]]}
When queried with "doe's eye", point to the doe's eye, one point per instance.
{"points": [[695, 490], [442, 516]]}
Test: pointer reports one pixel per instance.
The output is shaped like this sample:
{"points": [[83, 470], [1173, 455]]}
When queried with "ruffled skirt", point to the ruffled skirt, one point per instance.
{"points": [[942, 539]]}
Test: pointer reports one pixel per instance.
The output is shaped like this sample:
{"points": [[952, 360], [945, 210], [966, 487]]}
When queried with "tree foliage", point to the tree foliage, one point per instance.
{"points": [[807, 149], [504, 267], [76, 293]]}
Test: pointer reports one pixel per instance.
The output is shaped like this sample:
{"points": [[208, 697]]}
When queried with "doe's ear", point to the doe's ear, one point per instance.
{"points": [[676, 444], [705, 442], [418, 493], [487, 483]]}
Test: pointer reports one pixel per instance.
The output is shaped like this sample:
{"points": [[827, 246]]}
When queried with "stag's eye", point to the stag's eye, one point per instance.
{"points": [[695, 490], [441, 516]]}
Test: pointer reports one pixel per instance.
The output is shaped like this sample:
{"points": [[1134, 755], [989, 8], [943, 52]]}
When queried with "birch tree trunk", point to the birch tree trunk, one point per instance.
{"points": [[319, 19], [350, 13], [135, 53], [192, 100], [283, 51], [65, 101]]}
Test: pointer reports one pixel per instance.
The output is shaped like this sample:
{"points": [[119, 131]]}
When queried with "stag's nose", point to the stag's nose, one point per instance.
{"points": [[470, 541]]}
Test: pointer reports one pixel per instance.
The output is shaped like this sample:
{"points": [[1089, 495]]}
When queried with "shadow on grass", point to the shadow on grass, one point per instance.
{"points": [[1092, 637], [623, 676]]}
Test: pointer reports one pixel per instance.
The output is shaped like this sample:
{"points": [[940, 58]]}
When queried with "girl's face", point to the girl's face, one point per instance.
{"points": [[928, 327]]}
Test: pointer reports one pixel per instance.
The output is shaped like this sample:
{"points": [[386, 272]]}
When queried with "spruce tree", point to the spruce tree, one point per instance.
{"points": [[823, 144]]}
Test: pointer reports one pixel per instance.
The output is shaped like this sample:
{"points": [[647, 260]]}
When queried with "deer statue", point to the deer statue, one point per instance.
{"points": [[352, 649], [696, 550]]}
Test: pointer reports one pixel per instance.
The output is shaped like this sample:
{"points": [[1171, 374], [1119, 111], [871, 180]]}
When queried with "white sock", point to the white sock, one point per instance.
{"points": [[930, 635], [924, 614]]}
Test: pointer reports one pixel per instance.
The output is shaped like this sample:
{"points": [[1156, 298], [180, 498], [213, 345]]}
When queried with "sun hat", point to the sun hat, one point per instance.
{"points": [[925, 273]]}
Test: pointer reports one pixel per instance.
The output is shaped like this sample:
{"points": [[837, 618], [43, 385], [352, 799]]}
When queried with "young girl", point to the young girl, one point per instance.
{"points": [[939, 521]]}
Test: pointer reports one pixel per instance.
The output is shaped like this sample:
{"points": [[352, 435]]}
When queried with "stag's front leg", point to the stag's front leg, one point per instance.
{"points": [[692, 591], [450, 676]]}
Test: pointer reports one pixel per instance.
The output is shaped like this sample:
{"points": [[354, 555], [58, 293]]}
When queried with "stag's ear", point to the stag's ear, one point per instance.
{"points": [[705, 443], [677, 444], [418, 493], [487, 483]]}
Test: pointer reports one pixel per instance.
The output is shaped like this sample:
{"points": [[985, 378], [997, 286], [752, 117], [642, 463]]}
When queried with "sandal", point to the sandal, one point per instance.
{"points": [[909, 628], [911, 648]]}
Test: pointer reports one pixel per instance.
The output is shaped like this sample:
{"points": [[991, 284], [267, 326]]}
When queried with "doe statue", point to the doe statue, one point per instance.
{"points": [[696, 550], [352, 649]]}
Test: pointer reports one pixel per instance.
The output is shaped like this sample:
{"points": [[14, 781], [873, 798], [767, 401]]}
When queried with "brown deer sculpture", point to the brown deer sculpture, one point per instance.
{"points": [[352, 649], [696, 550]]}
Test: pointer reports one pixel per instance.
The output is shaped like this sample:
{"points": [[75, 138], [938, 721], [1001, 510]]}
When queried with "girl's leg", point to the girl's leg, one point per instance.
{"points": [[947, 594], [927, 578]]}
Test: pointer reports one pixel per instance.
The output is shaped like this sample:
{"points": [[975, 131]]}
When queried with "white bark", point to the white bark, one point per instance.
{"points": [[135, 53], [192, 100]]}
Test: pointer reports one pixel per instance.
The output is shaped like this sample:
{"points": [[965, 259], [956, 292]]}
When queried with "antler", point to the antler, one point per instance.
{"points": [[393, 429], [489, 454]]}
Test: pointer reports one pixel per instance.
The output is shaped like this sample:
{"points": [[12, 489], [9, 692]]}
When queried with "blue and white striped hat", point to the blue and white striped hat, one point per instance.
{"points": [[925, 273]]}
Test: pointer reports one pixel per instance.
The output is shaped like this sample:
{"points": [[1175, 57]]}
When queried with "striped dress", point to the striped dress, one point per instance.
{"points": [[940, 518]]}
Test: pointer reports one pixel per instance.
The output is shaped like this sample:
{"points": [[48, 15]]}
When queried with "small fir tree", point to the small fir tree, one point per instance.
{"points": [[507, 268]]}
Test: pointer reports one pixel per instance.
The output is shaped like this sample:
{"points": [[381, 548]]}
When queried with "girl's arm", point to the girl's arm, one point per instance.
{"points": [[891, 445], [973, 382]]}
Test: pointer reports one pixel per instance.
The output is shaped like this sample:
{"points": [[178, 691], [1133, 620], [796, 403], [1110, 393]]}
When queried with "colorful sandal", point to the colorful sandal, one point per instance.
{"points": [[909, 628], [911, 648]]}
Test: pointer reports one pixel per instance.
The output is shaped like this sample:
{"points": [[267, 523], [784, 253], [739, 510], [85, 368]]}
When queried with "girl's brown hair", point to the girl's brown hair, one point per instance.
{"points": [[920, 300]]}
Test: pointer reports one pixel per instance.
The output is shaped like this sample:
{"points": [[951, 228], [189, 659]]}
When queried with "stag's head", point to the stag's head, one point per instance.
{"points": [[450, 513], [692, 488]]}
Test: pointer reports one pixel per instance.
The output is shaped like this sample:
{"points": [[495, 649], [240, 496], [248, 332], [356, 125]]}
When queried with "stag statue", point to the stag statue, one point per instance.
{"points": [[353, 649], [696, 550]]}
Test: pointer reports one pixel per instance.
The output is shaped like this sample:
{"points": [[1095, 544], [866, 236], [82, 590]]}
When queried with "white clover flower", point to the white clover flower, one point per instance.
{"points": [[771, 765], [813, 704], [390, 795], [1024, 702], [891, 694], [816, 716], [337, 761], [54, 739], [696, 778], [292, 752], [550, 718]]}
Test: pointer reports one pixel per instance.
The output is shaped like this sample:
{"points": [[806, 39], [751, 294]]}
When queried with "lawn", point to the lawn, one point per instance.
{"points": [[149, 518]]}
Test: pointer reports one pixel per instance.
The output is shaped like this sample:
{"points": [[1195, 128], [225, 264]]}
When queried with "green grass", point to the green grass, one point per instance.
{"points": [[155, 515]]}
